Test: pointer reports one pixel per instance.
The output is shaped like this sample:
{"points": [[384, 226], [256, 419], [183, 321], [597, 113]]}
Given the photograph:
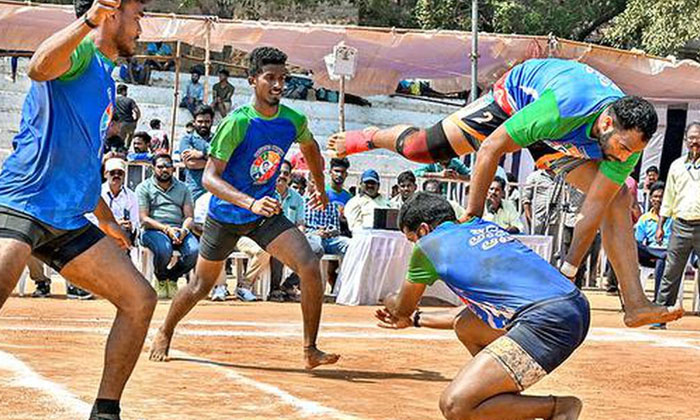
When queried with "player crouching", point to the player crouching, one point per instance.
{"points": [[525, 315]]}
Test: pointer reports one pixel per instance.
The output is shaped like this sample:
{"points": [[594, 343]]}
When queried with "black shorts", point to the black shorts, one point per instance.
{"points": [[219, 239], [55, 247], [479, 119]]}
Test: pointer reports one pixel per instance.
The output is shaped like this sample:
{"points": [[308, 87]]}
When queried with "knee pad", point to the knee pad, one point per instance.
{"points": [[425, 146]]}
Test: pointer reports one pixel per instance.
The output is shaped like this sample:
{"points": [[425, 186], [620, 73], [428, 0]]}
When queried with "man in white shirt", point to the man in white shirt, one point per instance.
{"points": [[360, 209], [120, 199], [502, 212]]}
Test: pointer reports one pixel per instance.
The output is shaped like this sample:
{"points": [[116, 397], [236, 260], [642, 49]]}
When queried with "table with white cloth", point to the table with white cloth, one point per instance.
{"points": [[376, 262]]}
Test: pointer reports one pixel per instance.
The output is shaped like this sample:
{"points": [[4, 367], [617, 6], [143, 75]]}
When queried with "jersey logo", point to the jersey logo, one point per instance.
{"points": [[530, 91], [488, 116], [265, 163]]}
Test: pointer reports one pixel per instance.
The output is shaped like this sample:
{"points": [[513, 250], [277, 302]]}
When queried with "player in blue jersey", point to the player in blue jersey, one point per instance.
{"points": [[53, 178], [241, 173], [575, 122], [523, 317]]}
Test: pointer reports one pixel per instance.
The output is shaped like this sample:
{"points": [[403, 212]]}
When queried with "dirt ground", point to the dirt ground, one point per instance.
{"points": [[237, 360]]}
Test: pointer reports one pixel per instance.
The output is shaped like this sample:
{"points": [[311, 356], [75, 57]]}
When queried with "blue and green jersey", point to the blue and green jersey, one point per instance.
{"points": [[253, 147]]}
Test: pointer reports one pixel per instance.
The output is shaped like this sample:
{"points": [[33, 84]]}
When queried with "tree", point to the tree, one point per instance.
{"points": [[657, 27]]}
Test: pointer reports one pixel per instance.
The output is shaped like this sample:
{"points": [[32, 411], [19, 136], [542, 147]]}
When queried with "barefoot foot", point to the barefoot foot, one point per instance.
{"points": [[651, 314], [315, 357], [160, 347], [566, 408]]}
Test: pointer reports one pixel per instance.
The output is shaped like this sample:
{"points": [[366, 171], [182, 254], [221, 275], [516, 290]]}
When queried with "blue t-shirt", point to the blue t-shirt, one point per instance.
{"points": [[53, 173], [557, 101], [193, 177], [492, 272], [253, 147], [341, 197]]}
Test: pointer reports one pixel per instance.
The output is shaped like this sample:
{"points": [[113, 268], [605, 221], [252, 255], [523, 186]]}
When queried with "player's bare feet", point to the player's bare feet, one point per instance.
{"points": [[566, 408], [315, 357], [336, 144], [160, 347], [651, 314]]}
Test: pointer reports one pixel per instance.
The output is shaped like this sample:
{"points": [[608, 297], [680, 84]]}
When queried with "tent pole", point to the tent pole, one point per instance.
{"points": [[474, 95], [207, 60], [341, 104], [176, 98]]}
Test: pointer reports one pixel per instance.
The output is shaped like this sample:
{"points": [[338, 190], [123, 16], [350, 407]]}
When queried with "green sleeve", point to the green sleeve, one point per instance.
{"points": [[79, 60], [618, 172], [301, 123], [540, 120], [429, 168], [460, 167], [228, 136], [421, 269]]}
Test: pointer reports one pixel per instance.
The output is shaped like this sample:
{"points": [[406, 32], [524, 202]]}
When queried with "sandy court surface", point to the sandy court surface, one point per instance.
{"points": [[243, 361]]}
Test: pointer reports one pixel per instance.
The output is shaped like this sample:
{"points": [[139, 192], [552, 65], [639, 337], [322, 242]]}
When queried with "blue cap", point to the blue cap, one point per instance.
{"points": [[370, 175]]}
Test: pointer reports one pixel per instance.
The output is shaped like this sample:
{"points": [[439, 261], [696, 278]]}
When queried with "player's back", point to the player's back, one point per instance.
{"points": [[490, 270]]}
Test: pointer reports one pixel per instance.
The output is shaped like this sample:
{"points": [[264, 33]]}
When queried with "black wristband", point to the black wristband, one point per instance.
{"points": [[88, 22], [416, 318], [250, 207]]}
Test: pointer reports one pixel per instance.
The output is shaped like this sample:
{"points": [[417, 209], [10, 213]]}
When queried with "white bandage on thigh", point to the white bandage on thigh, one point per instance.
{"points": [[524, 370]]}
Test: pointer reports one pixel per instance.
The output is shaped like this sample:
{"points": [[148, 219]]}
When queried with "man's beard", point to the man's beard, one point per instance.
{"points": [[204, 131], [164, 177]]}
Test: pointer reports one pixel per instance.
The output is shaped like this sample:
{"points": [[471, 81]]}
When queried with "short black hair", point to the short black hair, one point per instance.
{"points": [[501, 182], [288, 163], [121, 88], [424, 207], [195, 70], [691, 125], [658, 185], [340, 163], [155, 123], [161, 156], [635, 113], [432, 181], [263, 56], [652, 168], [189, 124], [224, 71], [298, 179], [406, 176], [204, 110], [144, 135]]}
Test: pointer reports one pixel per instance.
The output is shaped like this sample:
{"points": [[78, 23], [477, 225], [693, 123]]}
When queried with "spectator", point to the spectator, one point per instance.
{"points": [[452, 168], [339, 172], [539, 187], [359, 211], [651, 252], [194, 94], [201, 207], [128, 114], [500, 211], [222, 94], [434, 186], [134, 72], [194, 150], [160, 143], [407, 186], [512, 192], [298, 184], [114, 144], [650, 178], [189, 127], [681, 203], [166, 211], [159, 49], [120, 199], [142, 150]]}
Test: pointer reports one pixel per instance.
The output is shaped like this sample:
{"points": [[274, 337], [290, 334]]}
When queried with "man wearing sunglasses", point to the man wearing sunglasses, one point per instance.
{"points": [[120, 199]]}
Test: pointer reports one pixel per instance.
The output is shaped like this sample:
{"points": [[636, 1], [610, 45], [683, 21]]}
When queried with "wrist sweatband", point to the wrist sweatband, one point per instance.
{"points": [[358, 141], [568, 269], [88, 22]]}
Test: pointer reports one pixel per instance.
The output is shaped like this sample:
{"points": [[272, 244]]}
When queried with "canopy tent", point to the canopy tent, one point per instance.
{"points": [[386, 56]]}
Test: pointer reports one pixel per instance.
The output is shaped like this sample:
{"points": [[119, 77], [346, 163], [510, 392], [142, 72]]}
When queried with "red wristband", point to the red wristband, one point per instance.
{"points": [[358, 141]]}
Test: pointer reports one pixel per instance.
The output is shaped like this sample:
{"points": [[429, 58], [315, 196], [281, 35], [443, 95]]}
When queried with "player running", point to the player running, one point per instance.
{"points": [[53, 178], [241, 173], [525, 315], [574, 121]]}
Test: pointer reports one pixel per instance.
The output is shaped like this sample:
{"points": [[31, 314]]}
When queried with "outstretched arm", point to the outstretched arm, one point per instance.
{"points": [[398, 308]]}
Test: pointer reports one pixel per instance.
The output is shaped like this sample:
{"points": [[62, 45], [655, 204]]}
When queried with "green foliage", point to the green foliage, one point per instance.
{"points": [[657, 27]]}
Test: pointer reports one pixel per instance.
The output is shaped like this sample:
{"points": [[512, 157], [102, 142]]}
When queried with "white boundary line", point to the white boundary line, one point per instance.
{"points": [[24, 377]]}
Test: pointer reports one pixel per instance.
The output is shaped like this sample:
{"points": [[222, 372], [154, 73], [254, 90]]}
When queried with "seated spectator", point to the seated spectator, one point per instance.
{"points": [[451, 168], [160, 143], [159, 49], [166, 211], [134, 72], [651, 253], [120, 199], [194, 94], [651, 176], [298, 184], [434, 186], [360, 209], [407, 186], [194, 150], [142, 150], [128, 114], [222, 94], [501, 212]]}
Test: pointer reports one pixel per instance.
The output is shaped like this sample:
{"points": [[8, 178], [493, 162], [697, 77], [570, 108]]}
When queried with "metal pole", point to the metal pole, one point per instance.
{"points": [[341, 104], [176, 97], [475, 49], [207, 61]]}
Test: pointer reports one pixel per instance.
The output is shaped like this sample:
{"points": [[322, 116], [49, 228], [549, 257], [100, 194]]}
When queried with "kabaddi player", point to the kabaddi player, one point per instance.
{"points": [[523, 317], [241, 173], [574, 121], [53, 178]]}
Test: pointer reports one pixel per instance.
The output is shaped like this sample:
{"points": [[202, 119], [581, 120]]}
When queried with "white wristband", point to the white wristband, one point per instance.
{"points": [[568, 269]]}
